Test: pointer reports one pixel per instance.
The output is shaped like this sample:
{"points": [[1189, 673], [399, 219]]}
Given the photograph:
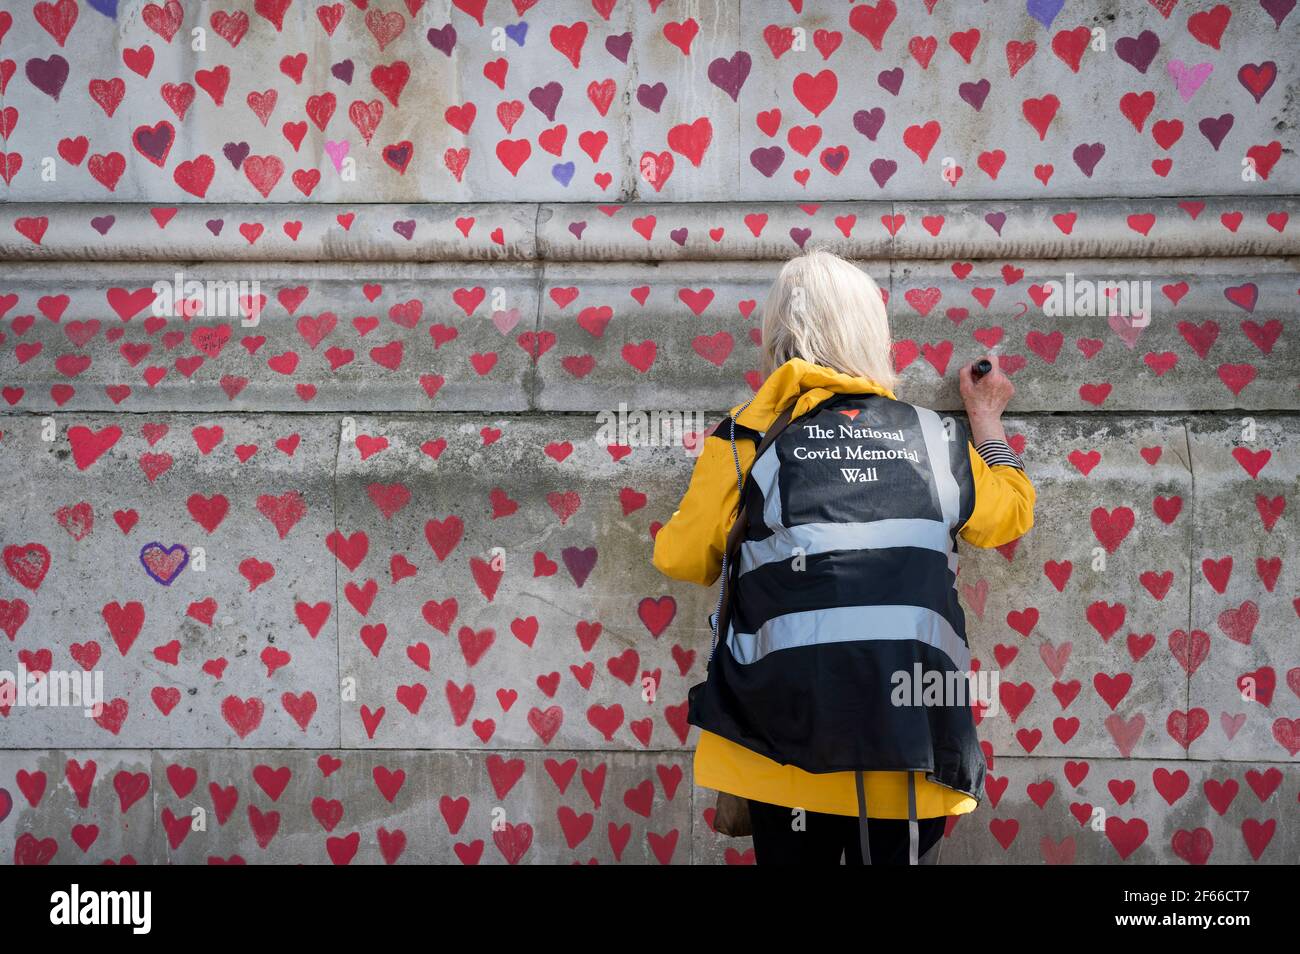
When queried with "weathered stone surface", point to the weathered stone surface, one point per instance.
{"points": [[437, 807], [1149, 227], [1102, 812], [1114, 811], [513, 220], [261, 806], [211, 806], [503, 595], [325, 338], [1076, 616], [78, 806], [677, 336], [94, 581], [1245, 681], [1215, 337], [901, 101], [117, 231]]}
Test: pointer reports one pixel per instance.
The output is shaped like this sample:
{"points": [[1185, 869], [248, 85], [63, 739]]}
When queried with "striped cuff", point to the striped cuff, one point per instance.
{"points": [[996, 452]]}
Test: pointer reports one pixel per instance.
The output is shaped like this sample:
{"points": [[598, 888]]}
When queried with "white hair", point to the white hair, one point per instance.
{"points": [[828, 311]]}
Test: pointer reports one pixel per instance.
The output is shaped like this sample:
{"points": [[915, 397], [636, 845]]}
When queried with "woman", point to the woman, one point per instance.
{"points": [[841, 590]]}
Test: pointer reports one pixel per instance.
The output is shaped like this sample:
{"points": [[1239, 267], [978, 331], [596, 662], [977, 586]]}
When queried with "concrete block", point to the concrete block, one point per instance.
{"points": [[243, 232], [1067, 228], [1215, 337], [497, 590], [400, 144], [1245, 681], [1122, 812], [677, 339], [1146, 227], [946, 99], [325, 338], [412, 807], [691, 231], [1076, 617], [1053, 811], [102, 534], [900, 102], [684, 338], [87, 806]]}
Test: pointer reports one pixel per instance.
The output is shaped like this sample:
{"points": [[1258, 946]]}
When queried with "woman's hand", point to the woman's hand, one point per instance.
{"points": [[985, 400]]}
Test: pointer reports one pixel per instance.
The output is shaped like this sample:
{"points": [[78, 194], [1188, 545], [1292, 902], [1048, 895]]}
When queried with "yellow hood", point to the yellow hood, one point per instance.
{"points": [[807, 385]]}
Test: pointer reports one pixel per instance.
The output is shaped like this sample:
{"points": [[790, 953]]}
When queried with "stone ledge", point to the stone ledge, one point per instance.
{"points": [[331, 806], [506, 337], [653, 231]]}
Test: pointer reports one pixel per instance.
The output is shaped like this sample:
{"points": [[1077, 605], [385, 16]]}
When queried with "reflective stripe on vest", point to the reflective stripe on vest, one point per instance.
{"points": [[844, 624], [936, 447], [813, 538], [767, 474]]}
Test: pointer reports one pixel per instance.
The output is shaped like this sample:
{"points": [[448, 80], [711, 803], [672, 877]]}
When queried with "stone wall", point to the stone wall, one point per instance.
{"points": [[363, 576]]}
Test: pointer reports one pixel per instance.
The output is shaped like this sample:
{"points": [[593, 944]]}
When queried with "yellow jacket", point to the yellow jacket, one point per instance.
{"points": [[690, 545]]}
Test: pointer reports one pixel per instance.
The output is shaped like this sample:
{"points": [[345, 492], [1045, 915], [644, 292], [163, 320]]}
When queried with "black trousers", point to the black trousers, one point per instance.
{"points": [[825, 838]]}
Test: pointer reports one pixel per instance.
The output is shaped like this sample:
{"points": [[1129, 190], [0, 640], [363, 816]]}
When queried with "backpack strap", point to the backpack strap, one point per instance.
{"points": [[913, 831], [864, 842], [737, 532]]}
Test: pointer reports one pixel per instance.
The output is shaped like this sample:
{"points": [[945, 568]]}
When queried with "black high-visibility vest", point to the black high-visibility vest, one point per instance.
{"points": [[844, 598]]}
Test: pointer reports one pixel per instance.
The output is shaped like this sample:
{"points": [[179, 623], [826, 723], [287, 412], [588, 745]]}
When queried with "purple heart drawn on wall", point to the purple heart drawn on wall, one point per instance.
{"points": [[1215, 130], [342, 71], [162, 563], [155, 142], [618, 46], [882, 170], [236, 152], [834, 159], [1278, 9], [405, 228], [651, 97], [869, 121], [546, 98], [1044, 11], [730, 75], [1087, 155], [974, 93], [767, 159], [102, 223], [517, 32], [891, 80], [579, 562], [48, 75], [444, 39], [1138, 51]]}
